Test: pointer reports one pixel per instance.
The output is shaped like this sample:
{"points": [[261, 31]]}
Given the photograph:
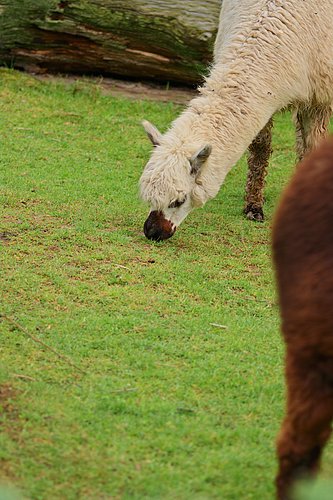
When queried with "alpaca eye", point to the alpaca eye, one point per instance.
{"points": [[177, 203]]}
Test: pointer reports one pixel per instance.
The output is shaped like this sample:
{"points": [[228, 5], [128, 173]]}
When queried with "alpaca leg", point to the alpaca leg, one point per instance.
{"points": [[307, 425], [259, 153], [300, 135], [311, 127]]}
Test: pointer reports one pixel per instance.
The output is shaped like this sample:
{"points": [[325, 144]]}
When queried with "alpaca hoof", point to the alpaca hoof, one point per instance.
{"points": [[255, 214]]}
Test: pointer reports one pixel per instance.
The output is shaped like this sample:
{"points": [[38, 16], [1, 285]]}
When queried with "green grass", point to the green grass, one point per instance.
{"points": [[169, 406]]}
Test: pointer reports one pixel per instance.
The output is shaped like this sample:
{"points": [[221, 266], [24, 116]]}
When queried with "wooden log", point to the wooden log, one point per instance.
{"points": [[166, 40]]}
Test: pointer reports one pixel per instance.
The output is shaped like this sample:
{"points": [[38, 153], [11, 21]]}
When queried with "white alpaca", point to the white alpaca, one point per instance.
{"points": [[269, 54]]}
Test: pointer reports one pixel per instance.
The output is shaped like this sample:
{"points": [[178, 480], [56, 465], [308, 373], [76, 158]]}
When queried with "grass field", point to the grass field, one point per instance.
{"points": [[149, 399]]}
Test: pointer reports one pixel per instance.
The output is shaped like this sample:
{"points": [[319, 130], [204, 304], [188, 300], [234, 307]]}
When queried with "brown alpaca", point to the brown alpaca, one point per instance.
{"points": [[303, 256]]}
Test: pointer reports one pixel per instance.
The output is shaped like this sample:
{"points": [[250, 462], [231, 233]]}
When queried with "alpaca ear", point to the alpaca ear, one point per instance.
{"points": [[153, 133], [199, 158]]}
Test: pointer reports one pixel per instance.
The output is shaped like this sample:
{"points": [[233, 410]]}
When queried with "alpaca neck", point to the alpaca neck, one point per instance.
{"points": [[229, 123]]}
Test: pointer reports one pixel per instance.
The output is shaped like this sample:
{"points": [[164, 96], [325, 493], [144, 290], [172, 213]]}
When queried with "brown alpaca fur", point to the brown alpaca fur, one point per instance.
{"points": [[260, 151], [303, 256]]}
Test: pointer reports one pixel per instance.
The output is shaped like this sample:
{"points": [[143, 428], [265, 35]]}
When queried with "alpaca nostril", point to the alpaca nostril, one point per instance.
{"points": [[151, 232], [154, 235]]}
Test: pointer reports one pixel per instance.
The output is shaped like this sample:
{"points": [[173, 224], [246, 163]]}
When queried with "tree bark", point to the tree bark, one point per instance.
{"points": [[166, 40]]}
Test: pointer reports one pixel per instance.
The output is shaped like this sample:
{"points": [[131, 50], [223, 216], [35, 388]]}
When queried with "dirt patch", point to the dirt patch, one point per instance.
{"points": [[7, 397], [11, 425], [9, 412], [5, 237], [9, 421], [129, 89]]}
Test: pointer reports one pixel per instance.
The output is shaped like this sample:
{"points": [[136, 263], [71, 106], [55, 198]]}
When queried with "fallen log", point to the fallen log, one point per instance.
{"points": [[166, 40]]}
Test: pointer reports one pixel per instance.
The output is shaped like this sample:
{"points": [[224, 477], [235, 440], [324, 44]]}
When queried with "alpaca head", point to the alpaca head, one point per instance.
{"points": [[170, 183]]}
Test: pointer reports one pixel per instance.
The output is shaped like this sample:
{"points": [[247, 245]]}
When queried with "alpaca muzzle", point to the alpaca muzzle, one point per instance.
{"points": [[158, 228]]}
